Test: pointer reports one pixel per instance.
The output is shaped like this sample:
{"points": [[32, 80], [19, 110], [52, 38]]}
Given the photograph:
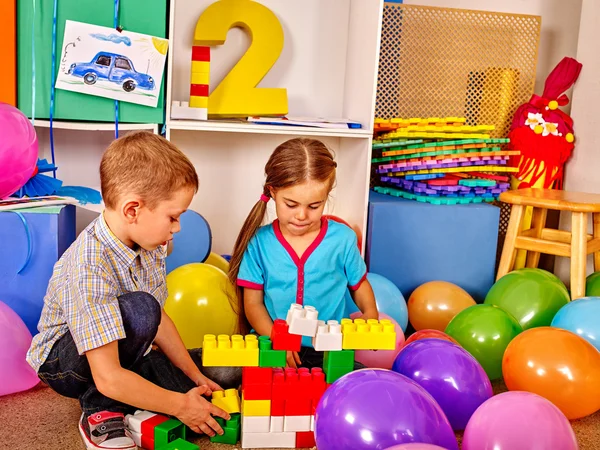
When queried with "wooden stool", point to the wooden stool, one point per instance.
{"points": [[576, 244]]}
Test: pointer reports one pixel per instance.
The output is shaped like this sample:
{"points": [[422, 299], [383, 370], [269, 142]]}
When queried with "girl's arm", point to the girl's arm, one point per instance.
{"points": [[365, 300], [256, 312]]}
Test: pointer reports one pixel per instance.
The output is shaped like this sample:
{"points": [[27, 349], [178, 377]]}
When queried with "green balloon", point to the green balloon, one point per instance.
{"points": [[484, 331], [532, 296], [592, 285]]}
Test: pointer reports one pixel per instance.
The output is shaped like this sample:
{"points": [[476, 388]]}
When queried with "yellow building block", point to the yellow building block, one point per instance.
{"points": [[256, 407], [228, 400], [198, 102], [230, 352], [200, 67], [368, 335], [200, 78]]}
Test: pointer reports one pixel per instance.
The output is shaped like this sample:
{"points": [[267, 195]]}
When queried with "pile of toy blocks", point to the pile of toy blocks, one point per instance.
{"points": [[440, 161], [278, 404], [157, 432]]}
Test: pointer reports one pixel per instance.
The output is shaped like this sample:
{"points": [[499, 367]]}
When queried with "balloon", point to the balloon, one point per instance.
{"points": [[16, 374], [18, 150], [559, 366], [218, 261], [433, 305], [485, 331], [415, 446], [581, 317], [375, 409], [450, 374], [592, 285], [532, 296], [192, 243], [382, 359], [426, 334], [198, 303], [518, 421]]}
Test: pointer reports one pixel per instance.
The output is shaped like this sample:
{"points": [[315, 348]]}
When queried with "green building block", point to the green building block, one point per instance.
{"points": [[167, 432], [335, 373], [340, 358], [231, 430], [268, 357], [178, 444]]}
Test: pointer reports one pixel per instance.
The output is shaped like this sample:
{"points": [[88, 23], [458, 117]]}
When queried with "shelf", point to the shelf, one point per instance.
{"points": [[241, 127], [95, 126]]}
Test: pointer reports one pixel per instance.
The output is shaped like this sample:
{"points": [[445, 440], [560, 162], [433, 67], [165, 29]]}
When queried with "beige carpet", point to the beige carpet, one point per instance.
{"points": [[42, 420]]}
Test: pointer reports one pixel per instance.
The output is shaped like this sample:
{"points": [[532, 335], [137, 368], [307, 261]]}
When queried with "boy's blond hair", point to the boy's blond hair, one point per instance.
{"points": [[147, 165]]}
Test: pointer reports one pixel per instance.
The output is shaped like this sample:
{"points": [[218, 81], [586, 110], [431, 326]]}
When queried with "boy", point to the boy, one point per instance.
{"points": [[103, 309]]}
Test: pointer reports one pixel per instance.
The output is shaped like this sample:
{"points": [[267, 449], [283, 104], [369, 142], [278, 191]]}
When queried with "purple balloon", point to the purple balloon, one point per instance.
{"points": [[449, 373], [376, 409], [415, 446], [518, 420]]}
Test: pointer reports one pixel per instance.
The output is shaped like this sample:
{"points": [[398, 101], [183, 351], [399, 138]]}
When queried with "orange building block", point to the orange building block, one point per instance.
{"points": [[8, 52]]}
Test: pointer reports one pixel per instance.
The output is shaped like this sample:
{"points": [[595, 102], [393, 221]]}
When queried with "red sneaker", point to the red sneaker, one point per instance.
{"points": [[105, 430]]}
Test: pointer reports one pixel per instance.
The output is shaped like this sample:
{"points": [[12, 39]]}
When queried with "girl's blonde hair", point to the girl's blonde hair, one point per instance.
{"points": [[292, 162]]}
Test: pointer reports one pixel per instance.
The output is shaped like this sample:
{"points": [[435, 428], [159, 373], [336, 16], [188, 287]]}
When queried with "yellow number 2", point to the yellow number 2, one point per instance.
{"points": [[237, 95]]}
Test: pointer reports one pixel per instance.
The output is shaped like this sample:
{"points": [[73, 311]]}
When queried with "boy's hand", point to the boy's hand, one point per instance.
{"points": [[202, 380], [293, 360], [196, 412]]}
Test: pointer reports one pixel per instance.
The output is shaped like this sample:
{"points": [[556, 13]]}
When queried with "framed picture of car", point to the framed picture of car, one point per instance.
{"points": [[105, 62]]}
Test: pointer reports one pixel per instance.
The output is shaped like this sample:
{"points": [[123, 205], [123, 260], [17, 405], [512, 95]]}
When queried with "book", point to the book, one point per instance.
{"points": [[34, 202], [299, 121]]}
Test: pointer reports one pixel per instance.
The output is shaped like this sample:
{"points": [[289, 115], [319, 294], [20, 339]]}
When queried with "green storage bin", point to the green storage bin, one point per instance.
{"points": [[140, 16]]}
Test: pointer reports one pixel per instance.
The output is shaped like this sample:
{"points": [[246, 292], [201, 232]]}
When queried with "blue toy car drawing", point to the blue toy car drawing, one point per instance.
{"points": [[112, 67]]}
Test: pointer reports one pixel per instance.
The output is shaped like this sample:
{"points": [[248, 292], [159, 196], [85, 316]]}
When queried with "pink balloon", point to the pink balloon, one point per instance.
{"points": [[15, 373], [18, 150], [517, 420], [415, 446], [380, 359]]}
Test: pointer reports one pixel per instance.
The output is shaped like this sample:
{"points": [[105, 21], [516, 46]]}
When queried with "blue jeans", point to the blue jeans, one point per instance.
{"points": [[69, 374]]}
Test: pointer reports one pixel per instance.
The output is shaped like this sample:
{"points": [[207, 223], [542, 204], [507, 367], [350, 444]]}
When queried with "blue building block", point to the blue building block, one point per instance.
{"points": [[411, 243], [51, 231]]}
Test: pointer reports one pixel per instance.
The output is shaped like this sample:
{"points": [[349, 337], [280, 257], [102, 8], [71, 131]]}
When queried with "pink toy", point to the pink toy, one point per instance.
{"points": [[18, 150], [15, 374], [415, 446], [380, 359]]}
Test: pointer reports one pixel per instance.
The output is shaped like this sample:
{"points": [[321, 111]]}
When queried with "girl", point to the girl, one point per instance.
{"points": [[301, 257]]}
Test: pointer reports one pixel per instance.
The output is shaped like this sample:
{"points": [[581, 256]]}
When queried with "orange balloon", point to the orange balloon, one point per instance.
{"points": [[558, 365], [434, 304], [429, 334]]}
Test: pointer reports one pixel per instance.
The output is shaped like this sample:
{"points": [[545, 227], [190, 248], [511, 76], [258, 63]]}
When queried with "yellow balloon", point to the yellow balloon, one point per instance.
{"points": [[198, 302], [218, 261]]}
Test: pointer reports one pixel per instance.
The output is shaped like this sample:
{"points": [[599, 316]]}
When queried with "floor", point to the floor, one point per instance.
{"points": [[42, 420]]}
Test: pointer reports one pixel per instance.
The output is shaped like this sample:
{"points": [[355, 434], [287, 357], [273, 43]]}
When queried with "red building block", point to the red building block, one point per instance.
{"points": [[257, 383], [318, 387], [305, 439], [148, 430], [282, 339], [199, 90], [278, 393], [200, 53], [299, 392]]}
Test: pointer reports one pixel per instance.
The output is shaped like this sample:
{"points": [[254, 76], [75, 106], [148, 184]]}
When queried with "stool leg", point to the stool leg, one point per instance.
{"points": [[578, 254], [509, 252], [596, 235], [538, 222]]}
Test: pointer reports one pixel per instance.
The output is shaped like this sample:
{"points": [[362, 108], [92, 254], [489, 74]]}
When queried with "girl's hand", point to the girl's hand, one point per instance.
{"points": [[293, 360], [370, 315]]}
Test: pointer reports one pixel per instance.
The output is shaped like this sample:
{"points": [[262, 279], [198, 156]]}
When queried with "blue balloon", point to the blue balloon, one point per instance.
{"points": [[581, 317], [192, 244], [388, 297]]}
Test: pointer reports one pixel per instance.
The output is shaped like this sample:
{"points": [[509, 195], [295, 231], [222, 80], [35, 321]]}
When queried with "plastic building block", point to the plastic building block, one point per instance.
{"points": [[298, 400], [368, 335], [282, 339], [142, 425], [319, 386], [269, 357], [302, 320], [167, 432], [232, 352], [256, 424], [179, 444], [228, 400], [305, 439], [278, 393], [276, 424], [256, 407], [335, 373], [296, 423], [312, 423], [231, 430], [257, 383], [328, 337], [342, 358], [183, 111], [269, 440]]}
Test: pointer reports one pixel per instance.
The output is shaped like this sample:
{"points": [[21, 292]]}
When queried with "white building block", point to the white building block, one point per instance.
{"points": [[276, 424], [134, 421], [328, 337], [269, 440], [183, 111], [256, 424], [137, 438], [296, 423], [312, 423], [302, 321]]}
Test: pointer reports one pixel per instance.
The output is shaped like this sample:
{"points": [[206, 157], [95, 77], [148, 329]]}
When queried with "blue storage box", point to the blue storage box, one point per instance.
{"points": [[410, 243], [51, 232]]}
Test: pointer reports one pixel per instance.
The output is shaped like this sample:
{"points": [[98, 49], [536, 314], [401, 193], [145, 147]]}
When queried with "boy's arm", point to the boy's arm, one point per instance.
{"points": [[365, 300], [169, 341], [127, 387]]}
